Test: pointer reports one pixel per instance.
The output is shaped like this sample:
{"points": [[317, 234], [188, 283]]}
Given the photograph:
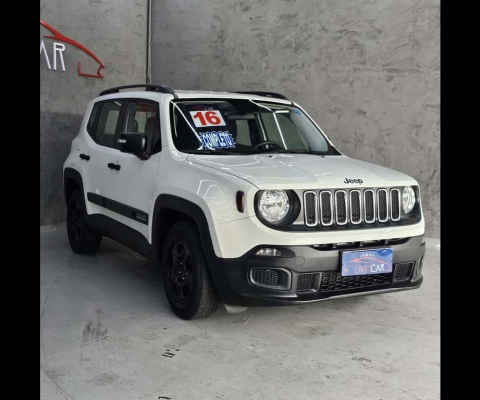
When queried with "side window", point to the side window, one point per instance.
{"points": [[92, 122], [142, 116], [243, 133], [107, 122]]}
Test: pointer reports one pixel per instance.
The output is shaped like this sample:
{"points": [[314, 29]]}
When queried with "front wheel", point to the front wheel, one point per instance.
{"points": [[187, 282]]}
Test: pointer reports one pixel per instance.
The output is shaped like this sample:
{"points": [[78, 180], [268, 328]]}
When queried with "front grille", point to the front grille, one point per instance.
{"points": [[382, 205], [342, 207], [266, 277], [310, 206], [305, 282], [403, 271], [395, 204], [355, 207], [335, 281], [369, 205], [326, 208]]}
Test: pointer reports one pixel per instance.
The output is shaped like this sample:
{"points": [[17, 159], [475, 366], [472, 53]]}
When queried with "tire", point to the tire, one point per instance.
{"points": [[187, 282], [82, 238]]}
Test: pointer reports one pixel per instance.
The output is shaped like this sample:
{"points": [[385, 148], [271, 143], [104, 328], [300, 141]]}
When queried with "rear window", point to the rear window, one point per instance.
{"points": [[103, 121]]}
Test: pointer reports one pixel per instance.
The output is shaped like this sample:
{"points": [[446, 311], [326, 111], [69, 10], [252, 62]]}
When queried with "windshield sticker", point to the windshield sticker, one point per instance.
{"points": [[206, 115], [217, 140], [296, 111]]}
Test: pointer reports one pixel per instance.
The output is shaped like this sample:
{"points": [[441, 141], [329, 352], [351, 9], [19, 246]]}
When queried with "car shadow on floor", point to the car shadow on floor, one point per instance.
{"points": [[127, 274]]}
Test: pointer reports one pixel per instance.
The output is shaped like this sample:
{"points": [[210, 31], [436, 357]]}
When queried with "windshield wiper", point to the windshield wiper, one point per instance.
{"points": [[210, 151], [284, 151]]}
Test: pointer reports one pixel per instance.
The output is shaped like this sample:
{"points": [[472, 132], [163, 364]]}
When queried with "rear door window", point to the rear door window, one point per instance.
{"points": [[103, 123]]}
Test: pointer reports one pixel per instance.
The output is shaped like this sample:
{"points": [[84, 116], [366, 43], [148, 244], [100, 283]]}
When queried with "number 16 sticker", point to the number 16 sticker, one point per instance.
{"points": [[207, 118]]}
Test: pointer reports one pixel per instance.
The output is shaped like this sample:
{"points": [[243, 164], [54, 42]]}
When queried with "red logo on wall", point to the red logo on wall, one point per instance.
{"points": [[58, 49]]}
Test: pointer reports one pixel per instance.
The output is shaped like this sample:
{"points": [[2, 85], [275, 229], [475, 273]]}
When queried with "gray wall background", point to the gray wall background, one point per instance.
{"points": [[367, 71], [116, 33]]}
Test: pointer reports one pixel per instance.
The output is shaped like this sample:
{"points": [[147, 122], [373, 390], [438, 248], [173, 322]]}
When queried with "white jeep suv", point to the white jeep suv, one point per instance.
{"points": [[241, 198]]}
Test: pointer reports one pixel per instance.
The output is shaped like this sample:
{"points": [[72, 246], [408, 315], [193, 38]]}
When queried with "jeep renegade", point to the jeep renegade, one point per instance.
{"points": [[239, 198]]}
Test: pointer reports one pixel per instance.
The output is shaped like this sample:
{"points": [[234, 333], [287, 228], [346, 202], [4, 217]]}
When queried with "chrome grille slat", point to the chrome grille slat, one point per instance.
{"points": [[310, 205], [355, 207], [351, 207], [382, 205], [369, 205], [395, 202], [326, 208], [341, 207]]}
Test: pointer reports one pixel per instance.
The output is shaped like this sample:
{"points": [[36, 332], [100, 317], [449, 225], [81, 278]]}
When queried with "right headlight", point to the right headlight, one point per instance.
{"points": [[277, 207], [408, 199], [274, 205]]}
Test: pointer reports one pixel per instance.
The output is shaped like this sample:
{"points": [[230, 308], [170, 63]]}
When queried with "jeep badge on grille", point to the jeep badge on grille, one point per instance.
{"points": [[353, 181]]}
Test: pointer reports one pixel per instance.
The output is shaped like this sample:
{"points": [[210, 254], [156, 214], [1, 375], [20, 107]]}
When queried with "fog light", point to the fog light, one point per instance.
{"points": [[268, 252]]}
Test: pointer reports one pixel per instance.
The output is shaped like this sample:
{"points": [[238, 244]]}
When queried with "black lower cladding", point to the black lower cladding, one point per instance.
{"points": [[314, 274]]}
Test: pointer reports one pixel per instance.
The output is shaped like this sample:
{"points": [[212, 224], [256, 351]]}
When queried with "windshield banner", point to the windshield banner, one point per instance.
{"points": [[208, 116]]}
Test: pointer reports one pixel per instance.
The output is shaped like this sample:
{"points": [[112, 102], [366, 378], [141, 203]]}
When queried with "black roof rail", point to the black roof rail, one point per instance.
{"points": [[148, 88], [266, 94]]}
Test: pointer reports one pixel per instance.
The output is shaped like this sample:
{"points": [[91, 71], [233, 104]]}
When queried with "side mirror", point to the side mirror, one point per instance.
{"points": [[135, 143]]}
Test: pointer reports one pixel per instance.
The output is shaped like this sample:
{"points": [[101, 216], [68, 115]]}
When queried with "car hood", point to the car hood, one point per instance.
{"points": [[303, 171]]}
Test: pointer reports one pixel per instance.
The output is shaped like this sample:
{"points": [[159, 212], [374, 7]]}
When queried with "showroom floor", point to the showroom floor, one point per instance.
{"points": [[107, 332]]}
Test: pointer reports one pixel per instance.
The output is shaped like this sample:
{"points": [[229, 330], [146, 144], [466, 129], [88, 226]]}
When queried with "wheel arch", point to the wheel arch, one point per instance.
{"points": [[72, 180], [169, 209]]}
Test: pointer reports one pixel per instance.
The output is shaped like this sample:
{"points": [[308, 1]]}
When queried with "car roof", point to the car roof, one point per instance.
{"points": [[190, 94]]}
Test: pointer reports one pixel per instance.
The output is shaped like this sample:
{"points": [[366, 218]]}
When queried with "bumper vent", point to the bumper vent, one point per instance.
{"points": [[277, 278], [403, 271], [306, 282], [335, 281]]}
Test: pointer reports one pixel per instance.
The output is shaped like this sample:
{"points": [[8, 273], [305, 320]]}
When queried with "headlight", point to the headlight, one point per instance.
{"points": [[408, 199], [274, 205]]}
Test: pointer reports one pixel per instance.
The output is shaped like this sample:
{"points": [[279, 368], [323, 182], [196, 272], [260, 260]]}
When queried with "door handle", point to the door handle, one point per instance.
{"points": [[84, 157], [111, 165]]}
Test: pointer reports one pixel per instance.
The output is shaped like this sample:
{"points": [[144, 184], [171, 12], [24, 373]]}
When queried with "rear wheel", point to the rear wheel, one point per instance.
{"points": [[187, 283], [81, 237]]}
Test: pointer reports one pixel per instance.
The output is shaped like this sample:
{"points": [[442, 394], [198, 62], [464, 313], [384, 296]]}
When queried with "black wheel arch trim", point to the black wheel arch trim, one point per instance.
{"points": [[191, 210], [70, 173]]}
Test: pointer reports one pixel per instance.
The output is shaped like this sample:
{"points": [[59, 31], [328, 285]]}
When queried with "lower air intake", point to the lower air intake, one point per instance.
{"points": [[335, 281], [403, 271], [278, 279], [306, 282]]}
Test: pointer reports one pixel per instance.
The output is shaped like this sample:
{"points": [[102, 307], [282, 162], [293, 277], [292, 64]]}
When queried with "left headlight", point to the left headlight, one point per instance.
{"points": [[274, 205], [408, 199]]}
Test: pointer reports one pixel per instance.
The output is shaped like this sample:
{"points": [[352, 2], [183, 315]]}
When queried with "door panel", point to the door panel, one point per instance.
{"points": [[97, 150], [95, 174], [131, 187]]}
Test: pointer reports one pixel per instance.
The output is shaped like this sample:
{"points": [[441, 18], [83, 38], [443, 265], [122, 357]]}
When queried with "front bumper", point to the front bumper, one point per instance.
{"points": [[233, 277]]}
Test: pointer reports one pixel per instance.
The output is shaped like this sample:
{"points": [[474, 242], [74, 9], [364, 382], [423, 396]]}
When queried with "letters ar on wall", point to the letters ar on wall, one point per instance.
{"points": [[56, 47]]}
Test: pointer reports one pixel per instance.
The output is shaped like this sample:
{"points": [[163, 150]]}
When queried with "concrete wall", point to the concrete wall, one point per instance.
{"points": [[367, 71], [116, 33]]}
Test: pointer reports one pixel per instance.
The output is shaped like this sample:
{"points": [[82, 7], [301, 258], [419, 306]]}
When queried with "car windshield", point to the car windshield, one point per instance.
{"points": [[237, 126]]}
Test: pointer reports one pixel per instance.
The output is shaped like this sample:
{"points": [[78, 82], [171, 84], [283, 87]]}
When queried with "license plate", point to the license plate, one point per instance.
{"points": [[367, 262]]}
